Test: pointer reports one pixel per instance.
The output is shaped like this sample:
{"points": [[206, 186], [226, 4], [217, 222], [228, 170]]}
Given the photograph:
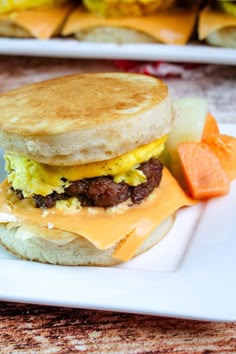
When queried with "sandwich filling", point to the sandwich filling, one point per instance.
{"points": [[217, 26], [17, 5], [132, 176], [116, 8]]}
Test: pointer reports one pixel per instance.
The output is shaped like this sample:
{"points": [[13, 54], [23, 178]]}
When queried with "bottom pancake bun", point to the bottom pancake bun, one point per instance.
{"points": [[224, 37], [10, 29], [114, 35], [30, 242]]}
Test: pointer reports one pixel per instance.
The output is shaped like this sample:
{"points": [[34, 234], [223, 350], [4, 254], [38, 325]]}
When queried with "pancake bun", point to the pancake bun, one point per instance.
{"points": [[83, 118], [36, 243], [224, 37], [9, 28], [109, 34]]}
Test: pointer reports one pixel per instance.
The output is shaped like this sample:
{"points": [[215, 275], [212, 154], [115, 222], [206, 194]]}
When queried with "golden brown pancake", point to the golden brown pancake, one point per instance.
{"points": [[84, 118]]}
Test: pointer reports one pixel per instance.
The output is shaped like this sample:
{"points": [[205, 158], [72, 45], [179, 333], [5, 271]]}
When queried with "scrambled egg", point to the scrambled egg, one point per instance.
{"points": [[32, 177], [117, 8], [227, 6], [69, 204], [14, 5]]}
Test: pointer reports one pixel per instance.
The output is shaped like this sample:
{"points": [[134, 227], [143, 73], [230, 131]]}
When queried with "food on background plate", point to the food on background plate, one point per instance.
{"points": [[7, 6], [136, 21], [122, 8], [39, 18], [217, 24]]}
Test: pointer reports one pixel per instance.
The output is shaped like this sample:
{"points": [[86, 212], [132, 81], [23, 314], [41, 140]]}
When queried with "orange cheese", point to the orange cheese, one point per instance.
{"points": [[174, 27], [100, 227], [43, 23], [211, 21]]}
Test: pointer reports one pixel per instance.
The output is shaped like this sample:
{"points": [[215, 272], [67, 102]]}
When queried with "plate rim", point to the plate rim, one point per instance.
{"points": [[72, 48]]}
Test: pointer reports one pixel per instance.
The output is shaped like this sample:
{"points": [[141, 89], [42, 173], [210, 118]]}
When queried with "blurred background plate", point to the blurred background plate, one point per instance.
{"points": [[70, 48]]}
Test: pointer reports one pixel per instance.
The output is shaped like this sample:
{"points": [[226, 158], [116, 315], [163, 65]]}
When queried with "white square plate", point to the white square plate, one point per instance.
{"points": [[71, 48], [189, 274]]}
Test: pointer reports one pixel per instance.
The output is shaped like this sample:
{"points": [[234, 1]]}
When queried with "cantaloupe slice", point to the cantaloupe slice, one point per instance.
{"points": [[211, 127], [224, 146], [203, 172]]}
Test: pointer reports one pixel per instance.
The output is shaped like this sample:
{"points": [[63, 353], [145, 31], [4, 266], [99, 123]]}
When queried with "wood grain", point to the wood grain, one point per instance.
{"points": [[214, 82], [41, 329], [19, 71], [31, 329]]}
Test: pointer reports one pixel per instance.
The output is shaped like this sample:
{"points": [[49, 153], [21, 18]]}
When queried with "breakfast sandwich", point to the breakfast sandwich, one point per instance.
{"points": [[135, 21], [84, 184], [38, 18], [217, 24]]}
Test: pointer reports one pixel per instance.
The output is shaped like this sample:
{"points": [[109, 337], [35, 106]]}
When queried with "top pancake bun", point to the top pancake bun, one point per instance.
{"points": [[83, 118]]}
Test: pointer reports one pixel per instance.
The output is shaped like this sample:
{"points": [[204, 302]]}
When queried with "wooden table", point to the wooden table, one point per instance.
{"points": [[41, 329]]}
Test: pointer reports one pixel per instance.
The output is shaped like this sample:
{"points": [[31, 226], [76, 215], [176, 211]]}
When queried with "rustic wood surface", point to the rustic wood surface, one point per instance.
{"points": [[33, 329], [40, 329]]}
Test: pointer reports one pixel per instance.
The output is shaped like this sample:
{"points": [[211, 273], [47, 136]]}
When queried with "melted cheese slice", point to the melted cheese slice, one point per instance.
{"points": [[41, 24], [211, 21], [174, 27], [104, 229]]}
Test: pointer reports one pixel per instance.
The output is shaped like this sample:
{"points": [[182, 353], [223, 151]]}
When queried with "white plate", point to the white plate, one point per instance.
{"points": [[69, 48], [189, 274]]}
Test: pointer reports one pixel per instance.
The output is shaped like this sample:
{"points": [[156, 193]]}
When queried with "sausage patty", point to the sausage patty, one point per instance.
{"points": [[104, 192]]}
